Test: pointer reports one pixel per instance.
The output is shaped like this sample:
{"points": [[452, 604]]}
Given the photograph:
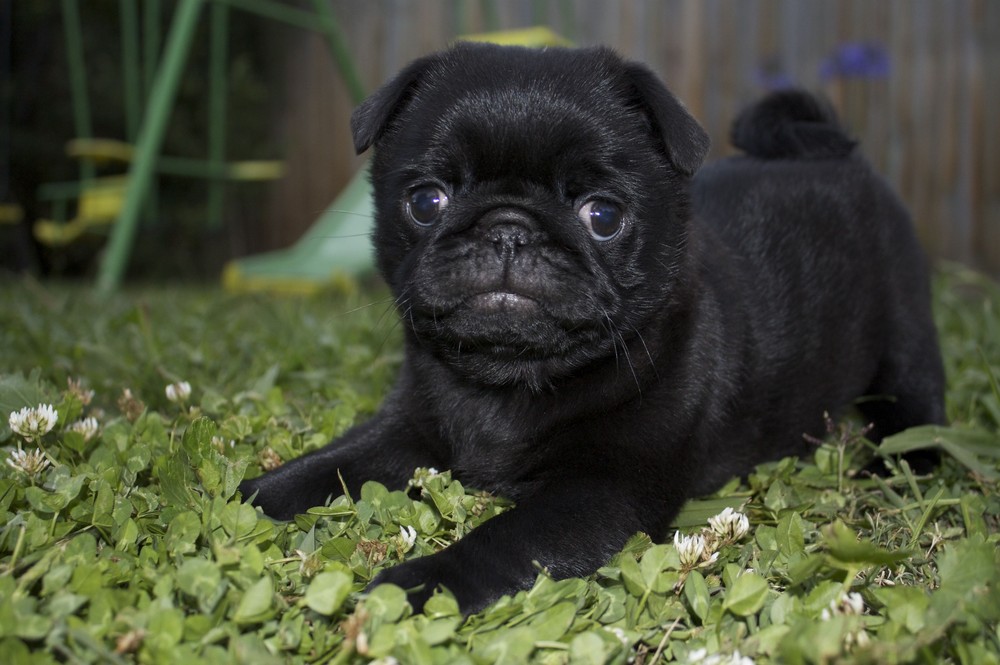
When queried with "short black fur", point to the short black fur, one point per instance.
{"points": [[600, 382]]}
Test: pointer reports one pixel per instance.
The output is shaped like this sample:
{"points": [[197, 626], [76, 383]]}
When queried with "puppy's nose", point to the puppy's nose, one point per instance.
{"points": [[508, 230], [506, 238]]}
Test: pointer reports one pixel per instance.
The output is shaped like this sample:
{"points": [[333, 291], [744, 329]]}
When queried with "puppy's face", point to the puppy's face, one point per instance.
{"points": [[531, 205]]}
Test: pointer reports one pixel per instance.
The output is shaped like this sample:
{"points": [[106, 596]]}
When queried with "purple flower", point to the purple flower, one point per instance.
{"points": [[856, 60]]}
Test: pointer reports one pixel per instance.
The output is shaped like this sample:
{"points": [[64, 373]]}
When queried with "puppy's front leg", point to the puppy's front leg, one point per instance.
{"points": [[385, 449], [569, 530]]}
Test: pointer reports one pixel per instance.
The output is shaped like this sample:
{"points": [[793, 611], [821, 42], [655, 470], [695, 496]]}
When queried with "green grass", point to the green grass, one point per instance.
{"points": [[130, 546]]}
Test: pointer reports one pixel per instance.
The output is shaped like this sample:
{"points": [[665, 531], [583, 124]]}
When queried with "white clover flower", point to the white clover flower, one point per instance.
{"points": [[729, 525], [269, 459], [697, 655], [75, 387], [30, 463], [178, 392], [620, 634], [409, 536], [848, 604], [421, 475], [854, 602], [309, 564], [860, 638], [86, 427], [220, 443], [689, 548], [33, 423], [702, 657]]}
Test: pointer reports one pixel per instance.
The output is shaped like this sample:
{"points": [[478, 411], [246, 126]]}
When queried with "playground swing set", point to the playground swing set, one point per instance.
{"points": [[336, 247]]}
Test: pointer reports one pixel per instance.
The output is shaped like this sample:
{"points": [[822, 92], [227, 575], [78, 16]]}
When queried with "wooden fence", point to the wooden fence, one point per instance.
{"points": [[917, 81]]}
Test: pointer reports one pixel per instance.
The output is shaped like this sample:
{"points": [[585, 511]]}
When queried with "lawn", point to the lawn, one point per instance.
{"points": [[122, 539]]}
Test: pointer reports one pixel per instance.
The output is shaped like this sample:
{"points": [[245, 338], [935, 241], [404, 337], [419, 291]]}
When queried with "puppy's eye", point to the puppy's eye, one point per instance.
{"points": [[602, 218], [424, 205]]}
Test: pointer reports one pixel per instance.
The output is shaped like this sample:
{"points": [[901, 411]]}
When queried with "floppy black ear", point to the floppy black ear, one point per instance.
{"points": [[684, 140], [371, 118]]}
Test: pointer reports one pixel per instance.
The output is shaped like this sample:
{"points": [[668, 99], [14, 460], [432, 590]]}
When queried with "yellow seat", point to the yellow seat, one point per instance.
{"points": [[109, 151], [99, 204], [534, 36], [100, 151], [100, 200], [10, 213], [255, 170]]}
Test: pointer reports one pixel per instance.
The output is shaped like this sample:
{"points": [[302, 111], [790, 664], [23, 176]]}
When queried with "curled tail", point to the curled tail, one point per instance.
{"points": [[790, 124]]}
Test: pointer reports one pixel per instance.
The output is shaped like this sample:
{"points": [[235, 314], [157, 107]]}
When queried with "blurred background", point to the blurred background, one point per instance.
{"points": [[255, 143]]}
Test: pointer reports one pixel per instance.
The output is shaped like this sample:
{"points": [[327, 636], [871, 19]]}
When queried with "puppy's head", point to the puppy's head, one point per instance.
{"points": [[531, 205]]}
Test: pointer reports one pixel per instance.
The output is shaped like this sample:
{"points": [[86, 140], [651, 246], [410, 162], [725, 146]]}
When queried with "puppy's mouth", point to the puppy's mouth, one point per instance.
{"points": [[503, 302], [498, 322], [501, 336]]}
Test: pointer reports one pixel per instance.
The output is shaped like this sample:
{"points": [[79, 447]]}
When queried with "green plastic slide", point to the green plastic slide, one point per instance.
{"points": [[335, 249]]}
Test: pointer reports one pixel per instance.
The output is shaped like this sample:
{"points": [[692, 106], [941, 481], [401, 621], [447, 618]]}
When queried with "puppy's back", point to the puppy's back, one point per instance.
{"points": [[822, 258]]}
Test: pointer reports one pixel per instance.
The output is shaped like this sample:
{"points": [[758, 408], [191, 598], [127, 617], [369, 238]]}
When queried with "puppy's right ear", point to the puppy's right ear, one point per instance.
{"points": [[684, 140], [372, 117]]}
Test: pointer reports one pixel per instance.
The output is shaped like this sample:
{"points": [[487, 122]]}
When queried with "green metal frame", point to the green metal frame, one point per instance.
{"points": [[148, 143], [82, 125], [162, 94]]}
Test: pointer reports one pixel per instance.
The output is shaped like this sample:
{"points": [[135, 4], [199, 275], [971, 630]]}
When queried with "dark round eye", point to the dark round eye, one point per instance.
{"points": [[424, 204], [602, 218]]}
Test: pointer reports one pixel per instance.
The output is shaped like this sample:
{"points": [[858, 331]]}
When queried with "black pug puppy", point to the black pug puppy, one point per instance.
{"points": [[596, 332]]}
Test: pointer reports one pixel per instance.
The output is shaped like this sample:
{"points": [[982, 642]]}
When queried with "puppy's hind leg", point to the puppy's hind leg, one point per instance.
{"points": [[908, 390]]}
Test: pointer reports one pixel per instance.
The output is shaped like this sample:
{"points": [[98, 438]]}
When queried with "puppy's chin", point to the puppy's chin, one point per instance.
{"points": [[507, 367]]}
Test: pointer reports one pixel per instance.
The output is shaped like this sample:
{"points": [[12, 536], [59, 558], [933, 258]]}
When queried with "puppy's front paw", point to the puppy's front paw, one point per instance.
{"points": [[257, 492], [421, 577], [922, 463]]}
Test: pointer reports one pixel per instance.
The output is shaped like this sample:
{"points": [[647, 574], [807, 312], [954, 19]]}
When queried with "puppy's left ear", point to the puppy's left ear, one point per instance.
{"points": [[372, 117], [684, 140]]}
